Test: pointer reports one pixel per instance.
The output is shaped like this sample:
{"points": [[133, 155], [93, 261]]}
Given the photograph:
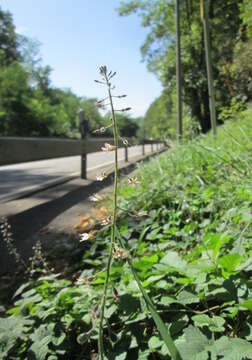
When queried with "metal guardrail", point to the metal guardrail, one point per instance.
{"points": [[15, 150]]}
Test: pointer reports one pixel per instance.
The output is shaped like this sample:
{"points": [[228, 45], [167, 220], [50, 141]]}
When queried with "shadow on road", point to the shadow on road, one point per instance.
{"points": [[10, 178], [26, 225]]}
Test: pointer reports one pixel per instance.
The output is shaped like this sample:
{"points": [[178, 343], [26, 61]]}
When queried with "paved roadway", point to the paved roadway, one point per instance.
{"points": [[19, 179]]}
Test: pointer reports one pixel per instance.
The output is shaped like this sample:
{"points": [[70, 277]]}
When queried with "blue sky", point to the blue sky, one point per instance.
{"points": [[80, 35]]}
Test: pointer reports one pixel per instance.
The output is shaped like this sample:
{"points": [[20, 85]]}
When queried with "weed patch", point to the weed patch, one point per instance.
{"points": [[188, 229]]}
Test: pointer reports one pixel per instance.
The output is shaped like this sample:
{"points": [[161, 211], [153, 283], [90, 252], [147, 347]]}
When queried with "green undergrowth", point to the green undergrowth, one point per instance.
{"points": [[192, 251]]}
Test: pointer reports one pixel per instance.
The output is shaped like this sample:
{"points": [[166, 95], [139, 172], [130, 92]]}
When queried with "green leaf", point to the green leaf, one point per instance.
{"points": [[121, 356], [110, 311], [186, 297], [174, 260], [40, 349], [29, 293], [152, 279], [177, 326], [167, 300], [155, 343], [20, 289], [215, 241], [195, 345], [58, 340], [82, 338], [12, 329], [41, 338], [143, 355], [214, 324], [87, 319], [246, 330], [247, 304], [230, 261], [144, 231], [245, 266], [232, 349]]}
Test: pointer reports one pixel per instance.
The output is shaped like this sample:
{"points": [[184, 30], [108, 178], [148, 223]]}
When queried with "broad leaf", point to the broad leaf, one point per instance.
{"points": [[174, 260], [214, 324]]}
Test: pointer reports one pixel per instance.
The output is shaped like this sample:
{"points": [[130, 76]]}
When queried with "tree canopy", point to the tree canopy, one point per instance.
{"points": [[230, 31], [29, 104]]}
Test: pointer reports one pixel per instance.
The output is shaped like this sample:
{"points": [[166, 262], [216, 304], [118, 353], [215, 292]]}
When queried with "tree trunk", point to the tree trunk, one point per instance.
{"points": [[196, 108]]}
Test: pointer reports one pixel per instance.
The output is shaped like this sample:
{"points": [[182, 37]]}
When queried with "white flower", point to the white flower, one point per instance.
{"points": [[84, 281], [80, 281], [119, 253], [108, 147], [106, 221], [84, 237], [142, 213], [96, 197], [133, 180], [102, 176]]}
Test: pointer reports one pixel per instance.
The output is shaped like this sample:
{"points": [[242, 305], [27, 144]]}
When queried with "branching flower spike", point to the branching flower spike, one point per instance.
{"points": [[110, 220]]}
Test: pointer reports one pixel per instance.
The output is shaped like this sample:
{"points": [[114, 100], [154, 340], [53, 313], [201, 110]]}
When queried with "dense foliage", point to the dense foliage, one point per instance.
{"points": [[230, 30], [191, 250], [29, 104]]}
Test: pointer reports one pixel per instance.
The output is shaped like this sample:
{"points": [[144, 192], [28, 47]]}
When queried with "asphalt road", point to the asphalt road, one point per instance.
{"points": [[20, 179]]}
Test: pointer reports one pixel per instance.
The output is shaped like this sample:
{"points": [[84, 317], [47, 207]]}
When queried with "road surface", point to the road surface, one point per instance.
{"points": [[20, 179]]}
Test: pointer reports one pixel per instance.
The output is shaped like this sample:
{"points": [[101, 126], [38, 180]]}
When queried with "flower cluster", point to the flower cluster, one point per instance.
{"points": [[133, 180], [106, 221], [102, 176], [101, 104], [38, 259], [5, 230], [85, 281], [119, 253]]}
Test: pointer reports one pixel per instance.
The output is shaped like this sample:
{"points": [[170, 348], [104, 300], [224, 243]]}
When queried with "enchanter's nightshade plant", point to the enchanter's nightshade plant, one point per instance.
{"points": [[115, 251], [106, 77]]}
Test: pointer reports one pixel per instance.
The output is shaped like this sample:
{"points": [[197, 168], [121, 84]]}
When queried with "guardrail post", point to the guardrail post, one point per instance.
{"points": [[83, 127], [151, 147], [143, 149], [126, 153]]}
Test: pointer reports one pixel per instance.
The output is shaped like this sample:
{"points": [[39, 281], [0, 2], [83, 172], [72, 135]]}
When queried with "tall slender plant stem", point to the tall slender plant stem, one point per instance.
{"points": [[113, 225], [178, 72]]}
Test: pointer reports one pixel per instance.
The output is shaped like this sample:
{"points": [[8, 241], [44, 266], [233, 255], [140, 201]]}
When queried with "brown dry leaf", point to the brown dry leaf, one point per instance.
{"points": [[83, 223], [101, 212], [86, 223]]}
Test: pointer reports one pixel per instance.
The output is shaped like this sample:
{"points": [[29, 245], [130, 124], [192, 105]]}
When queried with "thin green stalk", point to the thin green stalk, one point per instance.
{"points": [[113, 225]]}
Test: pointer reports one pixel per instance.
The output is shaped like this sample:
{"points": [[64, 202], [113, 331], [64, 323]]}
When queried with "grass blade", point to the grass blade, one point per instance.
{"points": [[162, 328]]}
